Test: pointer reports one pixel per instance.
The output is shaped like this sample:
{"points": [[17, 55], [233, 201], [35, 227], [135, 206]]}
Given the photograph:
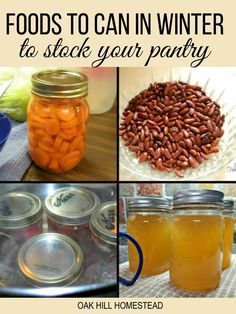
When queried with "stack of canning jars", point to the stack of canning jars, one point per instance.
{"points": [[193, 240]]}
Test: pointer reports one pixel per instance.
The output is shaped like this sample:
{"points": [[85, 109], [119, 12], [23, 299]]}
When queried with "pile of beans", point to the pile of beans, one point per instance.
{"points": [[173, 126]]}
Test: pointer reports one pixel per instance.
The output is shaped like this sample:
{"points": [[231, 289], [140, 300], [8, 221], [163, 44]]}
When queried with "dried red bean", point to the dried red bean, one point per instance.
{"points": [[159, 164], [143, 157], [193, 162], [179, 173], [188, 142]]}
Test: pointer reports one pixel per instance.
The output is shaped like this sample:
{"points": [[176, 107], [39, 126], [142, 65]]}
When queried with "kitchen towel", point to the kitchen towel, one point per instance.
{"points": [[14, 158], [161, 287]]}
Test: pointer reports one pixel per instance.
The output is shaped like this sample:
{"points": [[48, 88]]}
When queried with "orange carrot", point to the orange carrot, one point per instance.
{"points": [[57, 142], [49, 149], [74, 144], [70, 164], [64, 147], [35, 125], [37, 119], [57, 155], [70, 124], [72, 131], [65, 112], [47, 140], [40, 157], [54, 165], [65, 137], [39, 133], [52, 126], [69, 157], [41, 110]]}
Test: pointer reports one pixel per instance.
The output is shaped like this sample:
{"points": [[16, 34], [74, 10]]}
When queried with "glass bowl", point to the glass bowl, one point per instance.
{"points": [[218, 83]]}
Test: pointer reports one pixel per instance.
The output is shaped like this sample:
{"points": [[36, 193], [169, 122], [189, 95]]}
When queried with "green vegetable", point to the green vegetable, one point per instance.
{"points": [[15, 99]]}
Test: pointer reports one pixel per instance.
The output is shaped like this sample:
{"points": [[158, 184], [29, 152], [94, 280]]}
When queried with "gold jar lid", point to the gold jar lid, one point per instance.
{"points": [[18, 209], [50, 259], [71, 205], [60, 84]]}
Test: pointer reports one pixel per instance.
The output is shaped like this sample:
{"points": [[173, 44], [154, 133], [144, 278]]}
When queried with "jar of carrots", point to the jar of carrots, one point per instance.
{"points": [[57, 119], [196, 240]]}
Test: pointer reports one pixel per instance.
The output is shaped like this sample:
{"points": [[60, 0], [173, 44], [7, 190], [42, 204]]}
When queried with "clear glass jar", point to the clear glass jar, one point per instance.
{"points": [[20, 215], [57, 119], [196, 240], [228, 214], [148, 224], [69, 209], [103, 226]]}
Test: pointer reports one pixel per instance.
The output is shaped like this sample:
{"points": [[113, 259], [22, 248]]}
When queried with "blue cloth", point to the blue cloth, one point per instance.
{"points": [[14, 157]]}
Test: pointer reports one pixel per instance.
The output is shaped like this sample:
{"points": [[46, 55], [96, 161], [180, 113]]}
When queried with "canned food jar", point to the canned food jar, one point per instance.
{"points": [[69, 209], [196, 240], [20, 215], [228, 214], [103, 225], [148, 224], [50, 259], [8, 255], [57, 119]]}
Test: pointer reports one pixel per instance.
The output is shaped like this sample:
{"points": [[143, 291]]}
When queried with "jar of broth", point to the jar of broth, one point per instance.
{"points": [[20, 215], [57, 119], [196, 239], [148, 224], [228, 214], [69, 209]]}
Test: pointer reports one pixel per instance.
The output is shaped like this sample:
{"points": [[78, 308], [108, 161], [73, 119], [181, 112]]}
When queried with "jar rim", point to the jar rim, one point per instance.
{"points": [[136, 203], [59, 83], [198, 206]]}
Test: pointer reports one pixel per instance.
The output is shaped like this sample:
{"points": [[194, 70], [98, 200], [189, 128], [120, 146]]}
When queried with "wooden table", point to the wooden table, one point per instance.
{"points": [[99, 162]]}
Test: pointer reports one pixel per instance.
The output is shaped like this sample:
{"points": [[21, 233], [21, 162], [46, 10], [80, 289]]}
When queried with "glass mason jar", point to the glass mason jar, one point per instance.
{"points": [[20, 215], [228, 214], [148, 224], [196, 239], [69, 209], [57, 119], [103, 226]]}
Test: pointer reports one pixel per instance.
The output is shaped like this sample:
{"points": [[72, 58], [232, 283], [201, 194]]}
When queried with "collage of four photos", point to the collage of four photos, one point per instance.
{"points": [[117, 182]]}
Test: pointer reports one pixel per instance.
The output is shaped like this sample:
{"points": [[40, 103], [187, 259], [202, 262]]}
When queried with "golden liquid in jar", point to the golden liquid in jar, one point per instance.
{"points": [[196, 244], [152, 234], [228, 241]]}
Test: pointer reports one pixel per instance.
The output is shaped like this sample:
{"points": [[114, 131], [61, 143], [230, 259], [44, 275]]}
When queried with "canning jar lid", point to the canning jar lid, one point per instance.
{"points": [[148, 204], [204, 196], [50, 259], [103, 222], [59, 84], [228, 205], [19, 209], [71, 205]]}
